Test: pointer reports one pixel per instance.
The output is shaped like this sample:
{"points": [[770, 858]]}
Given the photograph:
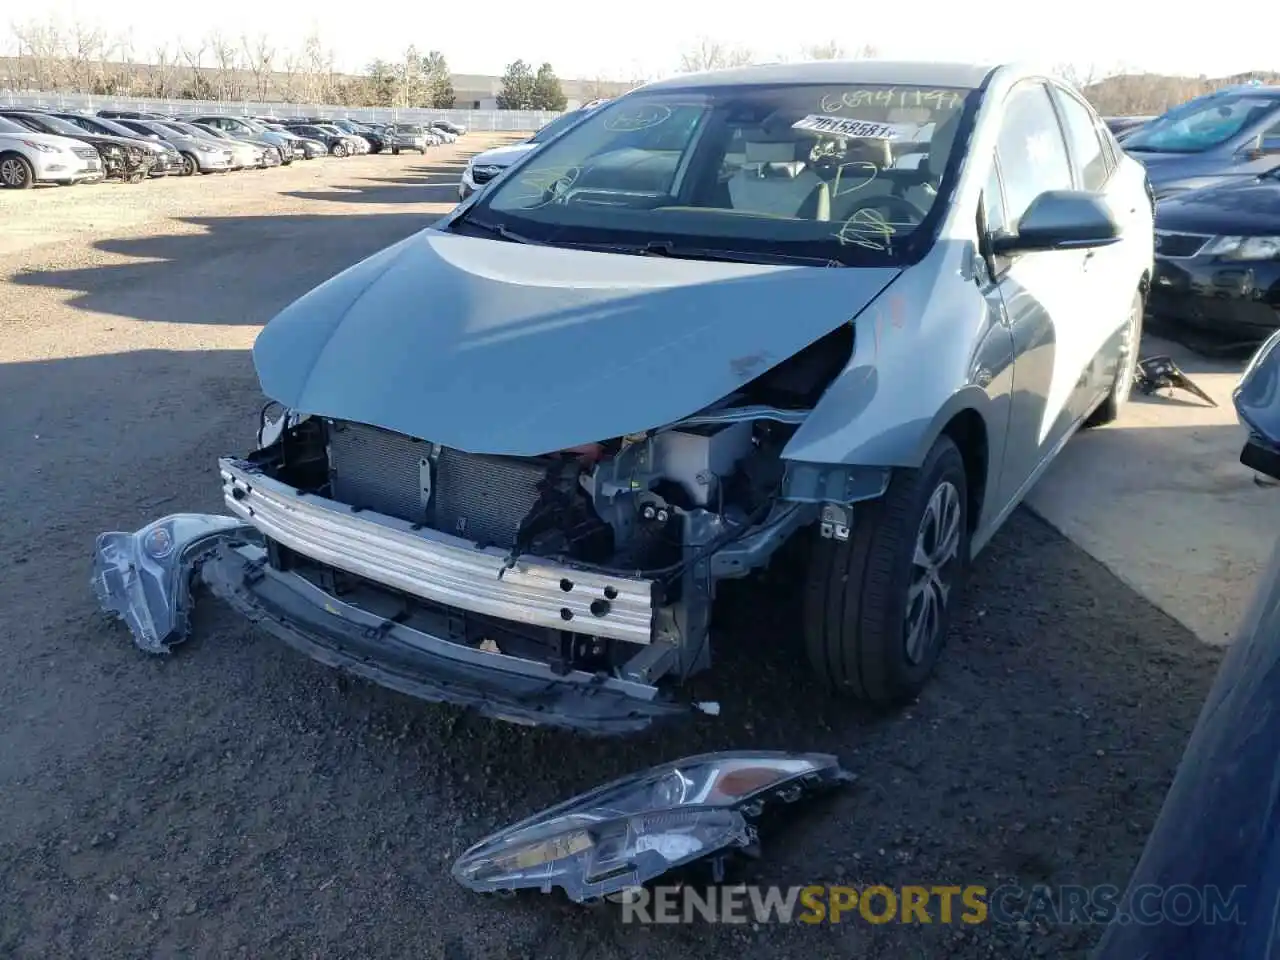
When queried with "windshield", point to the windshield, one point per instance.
{"points": [[109, 125], [329, 128], [556, 126], [833, 173], [182, 128], [58, 125], [1196, 127], [8, 126]]}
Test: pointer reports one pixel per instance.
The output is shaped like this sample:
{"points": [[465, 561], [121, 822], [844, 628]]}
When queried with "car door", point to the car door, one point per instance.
{"points": [[1040, 290], [1107, 278]]}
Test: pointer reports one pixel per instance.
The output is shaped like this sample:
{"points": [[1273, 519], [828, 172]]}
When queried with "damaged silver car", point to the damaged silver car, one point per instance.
{"points": [[859, 304]]}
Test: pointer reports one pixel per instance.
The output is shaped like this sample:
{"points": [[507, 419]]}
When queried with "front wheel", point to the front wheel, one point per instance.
{"points": [[877, 606], [190, 165], [16, 172], [1131, 342], [339, 149]]}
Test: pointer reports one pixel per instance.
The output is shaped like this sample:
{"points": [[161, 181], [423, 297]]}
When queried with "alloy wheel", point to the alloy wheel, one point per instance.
{"points": [[932, 565], [12, 172]]}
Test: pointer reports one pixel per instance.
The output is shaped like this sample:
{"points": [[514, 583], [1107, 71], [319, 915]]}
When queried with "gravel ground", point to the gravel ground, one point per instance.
{"points": [[237, 800]]}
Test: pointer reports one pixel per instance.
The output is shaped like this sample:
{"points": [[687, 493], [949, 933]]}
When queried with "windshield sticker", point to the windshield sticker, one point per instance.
{"points": [[638, 117], [852, 128], [867, 228], [893, 97]]}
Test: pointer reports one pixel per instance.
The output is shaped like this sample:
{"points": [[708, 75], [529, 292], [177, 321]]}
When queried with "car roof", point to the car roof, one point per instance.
{"points": [[906, 72]]}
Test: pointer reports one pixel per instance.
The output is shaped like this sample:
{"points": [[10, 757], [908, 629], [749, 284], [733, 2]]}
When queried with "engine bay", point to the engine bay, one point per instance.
{"points": [[657, 505]]}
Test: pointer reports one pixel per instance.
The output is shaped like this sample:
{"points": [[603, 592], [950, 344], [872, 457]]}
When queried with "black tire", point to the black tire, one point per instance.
{"points": [[395, 151], [1116, 400], [190, 165], [16, 172], [857, 614]]}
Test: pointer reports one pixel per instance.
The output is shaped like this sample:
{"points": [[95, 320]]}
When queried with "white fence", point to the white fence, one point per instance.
{"points": [[512, 120]]}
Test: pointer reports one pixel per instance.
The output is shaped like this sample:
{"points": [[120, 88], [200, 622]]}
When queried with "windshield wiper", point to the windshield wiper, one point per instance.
{"points": [[666, 248], [497, 229]]}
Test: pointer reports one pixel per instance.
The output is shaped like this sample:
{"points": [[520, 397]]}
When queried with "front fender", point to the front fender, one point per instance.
{"points": [[925, 349]]}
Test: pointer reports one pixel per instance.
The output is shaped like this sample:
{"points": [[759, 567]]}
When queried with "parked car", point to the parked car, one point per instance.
{"points": [[484, 167], [370, 136], [355, 144], [122, 158], [261, 154], [518, 449], [1215, 837], [166, 156], [409, 136], [455, 128], [1231, 134], [288, 146], [1218, 257], [1122, 127], [28, 158], [243, 155], [310, 148], [200, 154], [335, 142], [442, 131]]}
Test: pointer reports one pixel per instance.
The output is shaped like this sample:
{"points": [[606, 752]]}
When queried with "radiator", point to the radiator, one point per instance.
{"points": [[477, 497]]}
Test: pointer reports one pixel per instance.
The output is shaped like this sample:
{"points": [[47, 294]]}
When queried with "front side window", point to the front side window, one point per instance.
{"points": [[850, 174], [1033, 156], [1086, 147], [1196, 127]]}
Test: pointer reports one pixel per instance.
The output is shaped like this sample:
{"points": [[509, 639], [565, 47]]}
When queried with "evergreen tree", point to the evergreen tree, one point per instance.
{"points": [[517, 87], [547, 93]]}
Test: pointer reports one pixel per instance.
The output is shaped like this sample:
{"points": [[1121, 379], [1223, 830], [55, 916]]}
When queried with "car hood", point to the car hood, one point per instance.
{"points": [[1250, 208], [506, 348], [502, 156], [51, 139]]}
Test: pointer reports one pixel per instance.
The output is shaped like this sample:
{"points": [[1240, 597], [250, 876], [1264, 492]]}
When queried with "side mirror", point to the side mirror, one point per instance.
{"points": [[1261, 146], [1060, 220]]}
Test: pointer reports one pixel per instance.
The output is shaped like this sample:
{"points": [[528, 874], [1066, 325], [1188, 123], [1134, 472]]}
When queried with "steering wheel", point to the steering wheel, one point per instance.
{"points": [[891, 205]]}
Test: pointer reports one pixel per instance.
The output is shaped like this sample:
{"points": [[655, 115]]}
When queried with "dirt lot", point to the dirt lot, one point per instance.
{"points": [[237, 800]]}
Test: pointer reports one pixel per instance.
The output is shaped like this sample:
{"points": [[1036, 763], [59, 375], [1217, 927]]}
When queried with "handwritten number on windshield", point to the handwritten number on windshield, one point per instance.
{"points": [[891, 97]]}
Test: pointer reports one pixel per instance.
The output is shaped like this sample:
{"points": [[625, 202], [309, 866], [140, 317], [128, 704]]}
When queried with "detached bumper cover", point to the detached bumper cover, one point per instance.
{"points": [[147, 579]]}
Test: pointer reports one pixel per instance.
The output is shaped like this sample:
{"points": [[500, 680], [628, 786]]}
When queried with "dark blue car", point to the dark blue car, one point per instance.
{"points": [[1217, 840], [1228, 134]]}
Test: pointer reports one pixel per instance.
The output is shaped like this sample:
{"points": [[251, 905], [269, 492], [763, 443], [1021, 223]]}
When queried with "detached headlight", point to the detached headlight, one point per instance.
{"points": [[630, 831], [1243, 248]]}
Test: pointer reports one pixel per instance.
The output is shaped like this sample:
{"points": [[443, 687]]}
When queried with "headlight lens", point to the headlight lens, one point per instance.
{"points": [[627, 832], [206, 148], [1243, 248], [41, 147]]}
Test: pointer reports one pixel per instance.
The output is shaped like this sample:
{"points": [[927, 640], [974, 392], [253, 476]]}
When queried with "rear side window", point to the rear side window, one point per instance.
{"points": [[1086, 148], [1033, 156]]}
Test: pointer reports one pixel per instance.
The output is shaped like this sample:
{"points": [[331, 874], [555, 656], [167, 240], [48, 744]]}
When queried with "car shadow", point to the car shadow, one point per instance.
{"points": [[402, 190], [238, 270]]}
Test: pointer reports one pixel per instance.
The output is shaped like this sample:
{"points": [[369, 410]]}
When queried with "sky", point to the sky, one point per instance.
{"points": [[622, 41]]}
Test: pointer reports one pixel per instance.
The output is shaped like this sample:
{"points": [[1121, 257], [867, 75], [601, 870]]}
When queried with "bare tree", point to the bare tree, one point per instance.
{"points": [[831, 50], [41, 55], [85, 56], [713, 55], [260, 56], [199, 87], [161, 73], [228, 81]]}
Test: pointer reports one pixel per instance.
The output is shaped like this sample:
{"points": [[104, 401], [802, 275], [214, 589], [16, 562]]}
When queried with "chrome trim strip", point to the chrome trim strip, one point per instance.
{"points": [[439, 567]]}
